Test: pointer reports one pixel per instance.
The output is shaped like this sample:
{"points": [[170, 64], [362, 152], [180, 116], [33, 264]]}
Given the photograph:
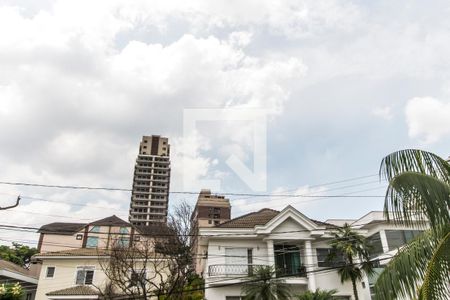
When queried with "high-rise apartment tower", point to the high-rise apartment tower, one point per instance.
{"points": [[150, 195]]}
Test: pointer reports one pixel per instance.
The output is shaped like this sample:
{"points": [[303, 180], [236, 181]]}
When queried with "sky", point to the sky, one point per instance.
{"points": [[261, 97]]}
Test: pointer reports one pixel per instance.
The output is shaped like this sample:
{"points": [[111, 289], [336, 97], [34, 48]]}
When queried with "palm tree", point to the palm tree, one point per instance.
{"points": [[264, 286], [355, 256], [318, 294], [418, 191]]}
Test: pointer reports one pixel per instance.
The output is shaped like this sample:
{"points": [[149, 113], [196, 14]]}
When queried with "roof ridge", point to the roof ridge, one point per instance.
{"points": [[247, 215]]}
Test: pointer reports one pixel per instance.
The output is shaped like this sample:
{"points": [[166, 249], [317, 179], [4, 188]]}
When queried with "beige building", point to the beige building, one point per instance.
{"points": [[75, 257], [210, 210], [150, 195]]}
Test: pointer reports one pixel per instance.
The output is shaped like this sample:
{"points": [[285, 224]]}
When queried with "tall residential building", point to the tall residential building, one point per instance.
{"points": [[150, 195], [211, 210]]}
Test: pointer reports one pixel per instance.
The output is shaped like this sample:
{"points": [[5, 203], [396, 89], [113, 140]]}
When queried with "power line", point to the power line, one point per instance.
{"points": [[172, 192]]}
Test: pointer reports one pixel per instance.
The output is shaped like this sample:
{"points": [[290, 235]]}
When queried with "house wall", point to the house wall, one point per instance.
{"points": [[65, 275], [66, 269], [216, 250], [58, 242]]}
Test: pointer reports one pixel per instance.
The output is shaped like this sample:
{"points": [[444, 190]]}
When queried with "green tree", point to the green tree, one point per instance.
{"points": [[17, 253], [264, 286], [11, 291], [418, 193], [355, 256], [318, 294]]}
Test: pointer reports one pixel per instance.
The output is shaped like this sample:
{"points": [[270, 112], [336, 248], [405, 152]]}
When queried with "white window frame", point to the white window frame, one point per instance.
{"points": [[46, 272], [86, 268]]}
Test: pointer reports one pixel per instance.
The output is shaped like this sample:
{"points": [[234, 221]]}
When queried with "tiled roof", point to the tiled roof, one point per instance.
{"points": [[250, 220], [111, 221], [325, 224], [260, 217], [12, 267], [62, 228], [95, 252], [79, 290], [76, 252], [154, 229]]}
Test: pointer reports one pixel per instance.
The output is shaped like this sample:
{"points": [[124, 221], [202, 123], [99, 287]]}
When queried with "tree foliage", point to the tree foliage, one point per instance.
{"points": [[418, 191], [158, 266], [17, 253], [264, 286], [11, 291], [355, 252], [318, 294]]}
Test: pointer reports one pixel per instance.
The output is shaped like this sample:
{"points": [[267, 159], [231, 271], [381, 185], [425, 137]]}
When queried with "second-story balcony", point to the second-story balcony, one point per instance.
{"points": [[250, 269], [232, 270]]}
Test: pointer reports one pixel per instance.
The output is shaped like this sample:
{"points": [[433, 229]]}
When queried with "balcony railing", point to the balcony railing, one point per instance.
{"points": [[232, 270], [300, 271], [248, 270]]}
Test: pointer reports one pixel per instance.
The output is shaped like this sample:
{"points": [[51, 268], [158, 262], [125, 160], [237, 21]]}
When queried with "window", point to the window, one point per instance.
{"points": [[79, 237], [326, 257], [138, 277], [85, 275], [124, 242], [237, 261], [287, 260], [124, 230], [92, 242], [375, 245], [398, 238], [50, 272], [95, 229], [29, 296]]}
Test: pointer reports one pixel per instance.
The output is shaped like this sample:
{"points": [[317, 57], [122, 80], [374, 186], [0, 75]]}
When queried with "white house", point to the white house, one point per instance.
{"points": [[294, 244]]}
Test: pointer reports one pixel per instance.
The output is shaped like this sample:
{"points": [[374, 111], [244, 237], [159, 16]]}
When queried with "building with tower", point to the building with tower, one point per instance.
{"points": [[210, 210], [151, 181]]}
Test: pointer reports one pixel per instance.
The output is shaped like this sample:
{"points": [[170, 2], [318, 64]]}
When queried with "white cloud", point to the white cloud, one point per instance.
{"points": [[251, 204], [428, 119], [384, 112]]}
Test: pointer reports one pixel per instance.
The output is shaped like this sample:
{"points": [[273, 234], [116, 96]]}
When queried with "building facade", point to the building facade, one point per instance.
{"points": [[151, 181], [295, 245], [75, 258], [209, 211]]}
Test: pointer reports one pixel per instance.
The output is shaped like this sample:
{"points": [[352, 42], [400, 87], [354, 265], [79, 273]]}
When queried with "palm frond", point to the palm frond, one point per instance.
{"points": [[435, 284], [407, 269], [414, 160], [410, 193]]}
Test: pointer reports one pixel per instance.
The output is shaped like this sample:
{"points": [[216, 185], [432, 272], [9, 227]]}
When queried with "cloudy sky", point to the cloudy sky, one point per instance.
{"points": [[340, 84]]}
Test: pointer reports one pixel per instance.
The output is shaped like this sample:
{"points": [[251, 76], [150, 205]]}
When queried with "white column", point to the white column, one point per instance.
{"points": [[384, 241], [309, 260], [270, 253]]}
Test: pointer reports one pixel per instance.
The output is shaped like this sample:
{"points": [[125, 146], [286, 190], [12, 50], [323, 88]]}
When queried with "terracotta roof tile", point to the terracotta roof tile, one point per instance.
{"points": [[154, 229], [62, 228], [79, 290], [260, 217], [12, 267], [250, 220], [111, 221], [76, 252]]}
